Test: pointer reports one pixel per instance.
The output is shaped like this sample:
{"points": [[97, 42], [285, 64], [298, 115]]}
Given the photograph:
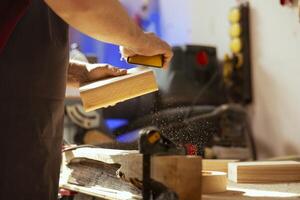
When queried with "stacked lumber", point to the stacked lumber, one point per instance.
{"points": [[220, 165], [100, 172], [264, 172]]}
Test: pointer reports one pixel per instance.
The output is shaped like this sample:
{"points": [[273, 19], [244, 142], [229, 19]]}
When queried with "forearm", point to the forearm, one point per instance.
{"points": [[98, 19]]}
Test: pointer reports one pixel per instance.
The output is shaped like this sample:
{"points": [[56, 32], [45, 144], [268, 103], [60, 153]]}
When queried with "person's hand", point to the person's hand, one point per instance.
{"points": [[148, 44], [80, 73], [100, 71]]}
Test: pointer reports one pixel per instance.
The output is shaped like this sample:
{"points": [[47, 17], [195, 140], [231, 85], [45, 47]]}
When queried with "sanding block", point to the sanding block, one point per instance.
{"points": [[150, 61]]}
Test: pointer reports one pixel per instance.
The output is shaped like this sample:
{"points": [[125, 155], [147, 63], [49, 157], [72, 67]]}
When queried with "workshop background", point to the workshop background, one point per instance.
{"points": [[275, 43], [275, 47]]}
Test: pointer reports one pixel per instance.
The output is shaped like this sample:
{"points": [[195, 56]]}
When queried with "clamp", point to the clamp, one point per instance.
{"points": [[152, 142]]}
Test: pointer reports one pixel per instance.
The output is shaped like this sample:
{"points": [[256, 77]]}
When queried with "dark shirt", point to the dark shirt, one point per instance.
{"points": [[11, 11], [34, 61], [33, 68]]}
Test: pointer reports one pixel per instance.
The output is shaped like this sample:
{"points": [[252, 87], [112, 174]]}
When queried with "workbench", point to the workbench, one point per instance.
{"points": [[283, 191], [131, 163]]}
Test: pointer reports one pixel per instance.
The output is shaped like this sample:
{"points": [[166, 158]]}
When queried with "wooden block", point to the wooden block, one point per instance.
{"points": [[220, 165], [180, 173], [213, 182], [108, 92], [264, 171]]}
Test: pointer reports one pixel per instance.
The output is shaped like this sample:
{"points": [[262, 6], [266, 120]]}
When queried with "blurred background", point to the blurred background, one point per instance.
{"points": [[232, 90]]}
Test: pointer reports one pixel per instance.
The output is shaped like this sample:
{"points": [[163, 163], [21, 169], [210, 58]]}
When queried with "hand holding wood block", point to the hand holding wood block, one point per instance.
{"points": [[108, 92]]}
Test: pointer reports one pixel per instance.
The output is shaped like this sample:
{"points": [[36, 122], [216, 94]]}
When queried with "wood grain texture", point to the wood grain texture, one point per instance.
{"points": [[108, 92], [213, 182], [180, 173], [102, 192], [264, 172], [220, 165]]}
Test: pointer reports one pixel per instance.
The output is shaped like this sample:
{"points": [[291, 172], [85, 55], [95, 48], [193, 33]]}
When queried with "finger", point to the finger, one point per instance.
{"points": [[115, 71], [105, 71]]}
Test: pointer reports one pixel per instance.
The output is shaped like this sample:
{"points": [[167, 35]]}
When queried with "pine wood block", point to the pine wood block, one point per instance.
{"points": [[138, 81], [264, 172], [180, 173], [213, 182]]}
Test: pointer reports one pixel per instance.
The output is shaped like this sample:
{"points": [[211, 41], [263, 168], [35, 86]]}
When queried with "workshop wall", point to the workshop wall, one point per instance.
{"points": [[275, 33]]}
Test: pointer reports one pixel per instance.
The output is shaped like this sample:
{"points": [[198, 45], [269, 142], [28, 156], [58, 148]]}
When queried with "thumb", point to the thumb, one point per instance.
{"points": [[126, 52]]}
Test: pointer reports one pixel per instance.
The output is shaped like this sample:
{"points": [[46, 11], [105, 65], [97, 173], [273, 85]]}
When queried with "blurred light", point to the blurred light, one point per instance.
{"points": [[129, 137], [263, 193], [113, 124]]}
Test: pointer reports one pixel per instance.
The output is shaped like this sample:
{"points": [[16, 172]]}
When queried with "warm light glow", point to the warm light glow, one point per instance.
{"points": [[262, 193]]}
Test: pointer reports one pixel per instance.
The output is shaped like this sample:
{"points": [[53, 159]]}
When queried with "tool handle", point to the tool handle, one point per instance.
{"points": [[150, 61], [147, 191]]}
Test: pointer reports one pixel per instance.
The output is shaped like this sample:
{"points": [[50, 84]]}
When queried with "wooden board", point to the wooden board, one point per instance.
{"points": [[98, 179], [108, 92], [263, 191], [213, 182], [220, 165], [180, 173], [102, 192], [264, 172]]}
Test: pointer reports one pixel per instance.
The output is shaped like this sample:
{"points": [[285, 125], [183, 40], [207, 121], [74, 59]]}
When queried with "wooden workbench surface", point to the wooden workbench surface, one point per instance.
{"points": [[286, 191]]}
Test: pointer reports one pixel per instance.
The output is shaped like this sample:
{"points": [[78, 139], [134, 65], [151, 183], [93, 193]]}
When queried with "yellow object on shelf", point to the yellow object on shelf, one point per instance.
{"points": [[240, 60], [235, 30], [227, 67], [236, 45], [151, 61], [234, 15]]}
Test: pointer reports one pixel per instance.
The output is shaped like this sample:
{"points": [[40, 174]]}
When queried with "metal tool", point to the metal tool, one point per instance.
{"points": [[151, 61], [87, 120], [153, 143]]}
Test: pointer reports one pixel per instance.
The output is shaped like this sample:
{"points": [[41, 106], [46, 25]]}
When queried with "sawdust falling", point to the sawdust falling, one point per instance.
{"points": [[193, 130]]}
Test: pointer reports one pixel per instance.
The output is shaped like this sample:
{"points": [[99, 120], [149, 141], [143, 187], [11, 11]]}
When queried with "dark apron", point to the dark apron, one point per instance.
{"points": [[33, 69]]}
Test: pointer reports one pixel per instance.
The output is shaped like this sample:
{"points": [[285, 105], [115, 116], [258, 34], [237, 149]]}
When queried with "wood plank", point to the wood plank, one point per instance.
{"points": [[274, 191], [264, 171], [102, 192], [138, 81], [220, 165], [180, 173]]}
